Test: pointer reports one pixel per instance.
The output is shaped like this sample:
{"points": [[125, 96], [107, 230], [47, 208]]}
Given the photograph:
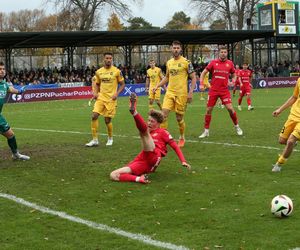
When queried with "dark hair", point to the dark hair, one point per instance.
{"points": [[2, 63], [176, 42], [108, 53], [157, 115]]}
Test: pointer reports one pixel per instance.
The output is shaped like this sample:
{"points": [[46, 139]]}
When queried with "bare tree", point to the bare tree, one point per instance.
{"points": [[233, 11], [88, 12]]}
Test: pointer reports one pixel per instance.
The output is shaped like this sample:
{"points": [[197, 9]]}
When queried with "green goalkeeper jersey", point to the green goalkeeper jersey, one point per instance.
{"points": [[3, 92]]}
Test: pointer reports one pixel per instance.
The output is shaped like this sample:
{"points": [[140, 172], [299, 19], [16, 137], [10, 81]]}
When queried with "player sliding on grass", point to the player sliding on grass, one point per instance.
{"points": [[5, 129], [154, 147], [290, 132]]}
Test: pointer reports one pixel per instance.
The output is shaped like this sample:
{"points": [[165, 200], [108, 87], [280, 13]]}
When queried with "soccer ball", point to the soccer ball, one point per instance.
{"points": [[281, 206]]}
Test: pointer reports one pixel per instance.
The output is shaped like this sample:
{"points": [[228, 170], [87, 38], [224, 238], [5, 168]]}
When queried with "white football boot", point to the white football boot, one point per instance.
{"points": [[92, 143], [238, 130], [110, 141], [18, 156], [204, 134]]}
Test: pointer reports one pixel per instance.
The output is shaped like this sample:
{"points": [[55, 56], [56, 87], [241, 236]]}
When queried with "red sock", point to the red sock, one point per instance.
{"points": [[127, 177], [234, 118], [140, 123], [207, 121], [249, 101], [240, 100]]}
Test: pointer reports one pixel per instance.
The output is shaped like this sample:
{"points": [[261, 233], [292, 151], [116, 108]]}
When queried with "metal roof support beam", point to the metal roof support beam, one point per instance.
{"points": [[8, 58], [70, 55]]}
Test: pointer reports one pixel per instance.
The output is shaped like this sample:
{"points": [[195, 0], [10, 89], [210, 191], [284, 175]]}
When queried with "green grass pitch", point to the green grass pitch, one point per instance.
{"points": [[224, 202]]}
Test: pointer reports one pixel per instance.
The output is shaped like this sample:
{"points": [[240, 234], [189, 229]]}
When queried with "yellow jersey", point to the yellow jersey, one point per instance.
{"points": [[295, 110], [108, 79], [155, 75], [178, 72]]}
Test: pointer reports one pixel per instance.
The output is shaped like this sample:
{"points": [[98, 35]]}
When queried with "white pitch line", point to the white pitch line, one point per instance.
{"points": [[139, 237], [193, 141]]}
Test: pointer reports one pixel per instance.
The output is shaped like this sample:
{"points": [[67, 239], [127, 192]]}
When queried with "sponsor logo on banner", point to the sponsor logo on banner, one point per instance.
{"points": [[262, 83], [276, 82], [16, 97]]}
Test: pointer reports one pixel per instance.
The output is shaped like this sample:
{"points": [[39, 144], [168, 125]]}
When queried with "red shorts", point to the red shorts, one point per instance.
{"points": [[213, 97], [237, 84], [145, 162], [245, 91]]}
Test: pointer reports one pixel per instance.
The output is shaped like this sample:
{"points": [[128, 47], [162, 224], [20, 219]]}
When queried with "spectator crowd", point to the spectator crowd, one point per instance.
{"points": [[132, 75]]}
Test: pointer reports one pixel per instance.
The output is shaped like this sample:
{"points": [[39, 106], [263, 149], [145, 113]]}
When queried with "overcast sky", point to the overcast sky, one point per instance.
{"points": [[157, 12]]}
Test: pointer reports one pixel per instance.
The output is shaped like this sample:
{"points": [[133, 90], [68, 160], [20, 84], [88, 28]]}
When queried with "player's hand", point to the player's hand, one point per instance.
{"points": [[188, 166], [276, 112], [147, 90], [154, 90], [22, 90], [114, 97], [201, 87]]}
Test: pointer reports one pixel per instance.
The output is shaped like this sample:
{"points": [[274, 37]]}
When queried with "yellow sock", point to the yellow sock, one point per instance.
{"points": [[150, 106], [109, 129], [164, 124], [94, 127], [181, 125], [281, 160]]}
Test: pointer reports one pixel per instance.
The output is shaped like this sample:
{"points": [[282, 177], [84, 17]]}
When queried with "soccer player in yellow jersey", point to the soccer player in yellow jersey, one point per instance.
{"points": [[290, 132], [105, 92], [178, 94], [206, 86], [154, 76]]}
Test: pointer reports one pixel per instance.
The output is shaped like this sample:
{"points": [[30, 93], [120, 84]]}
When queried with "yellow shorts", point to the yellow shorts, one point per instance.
{"points": [[154, 96], [104, 108], [206, 85], [175, 103], [290, 127]]}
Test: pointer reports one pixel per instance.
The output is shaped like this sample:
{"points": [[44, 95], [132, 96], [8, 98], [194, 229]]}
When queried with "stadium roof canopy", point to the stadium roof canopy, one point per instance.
{"points": [[13, 40]]}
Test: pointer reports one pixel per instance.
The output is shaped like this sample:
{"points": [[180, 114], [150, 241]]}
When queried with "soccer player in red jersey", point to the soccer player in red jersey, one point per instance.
{"points": [[154, 147], [220, 69], [245, 76], [237, 82]]}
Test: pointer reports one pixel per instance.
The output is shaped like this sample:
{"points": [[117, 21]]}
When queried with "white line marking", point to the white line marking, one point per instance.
{"points": [[125, 136], [139, 237]]}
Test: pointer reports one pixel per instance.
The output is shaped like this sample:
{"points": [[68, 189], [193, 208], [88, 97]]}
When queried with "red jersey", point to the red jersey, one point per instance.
{"points": [[245, 77], [161, 138], [220, 71]]}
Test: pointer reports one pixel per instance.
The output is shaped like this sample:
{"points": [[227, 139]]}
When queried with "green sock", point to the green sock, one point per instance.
{"points": [[12, 143]]}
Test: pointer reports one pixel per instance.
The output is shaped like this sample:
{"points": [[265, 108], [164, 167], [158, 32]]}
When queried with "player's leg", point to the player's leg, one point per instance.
{"points": [[288, 136], [158, 104], [234, 89], [180, 107], [125, 174], [249, 102], [168, 105], [212, 100], [12, 143], [109, 127], [151, 103], [240, 100], [94, 129], [227, 102]]}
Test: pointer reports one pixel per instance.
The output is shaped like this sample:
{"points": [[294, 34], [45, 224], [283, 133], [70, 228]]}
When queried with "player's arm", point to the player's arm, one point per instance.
{"points": [[120, 89], [202, 76], [161, 76], [284, 106], [193, 85], [179, 153], [163, 82], [234, 78], [12, 90]]}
